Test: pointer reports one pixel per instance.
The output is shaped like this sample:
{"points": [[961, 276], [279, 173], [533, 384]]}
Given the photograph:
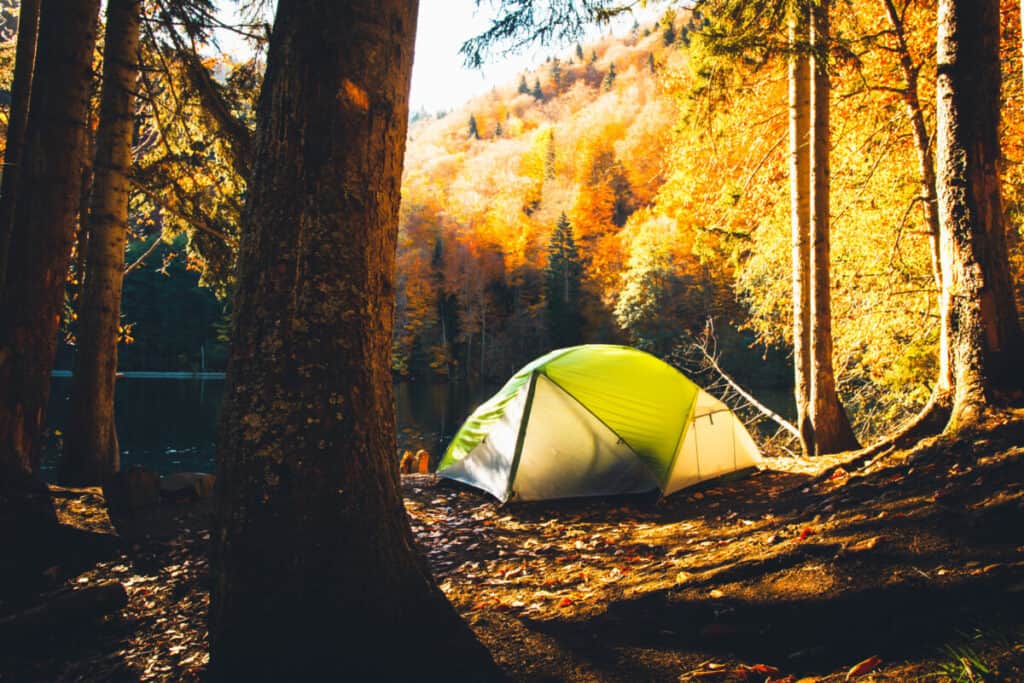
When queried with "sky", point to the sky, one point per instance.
{"points": [[440, 82]]}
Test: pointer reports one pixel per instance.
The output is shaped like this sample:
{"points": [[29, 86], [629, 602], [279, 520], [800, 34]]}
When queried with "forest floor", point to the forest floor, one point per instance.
{"points": [[907, 567]]}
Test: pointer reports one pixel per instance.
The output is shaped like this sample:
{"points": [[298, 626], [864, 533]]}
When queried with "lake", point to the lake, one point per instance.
{"points": [[169, 425]]}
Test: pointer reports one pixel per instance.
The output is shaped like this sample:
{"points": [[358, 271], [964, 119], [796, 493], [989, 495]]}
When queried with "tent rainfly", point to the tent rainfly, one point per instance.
{"points": [[594, 420]]}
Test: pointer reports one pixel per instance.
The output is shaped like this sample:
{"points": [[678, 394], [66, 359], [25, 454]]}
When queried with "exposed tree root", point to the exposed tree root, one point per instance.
{"points": [[928, 422]]}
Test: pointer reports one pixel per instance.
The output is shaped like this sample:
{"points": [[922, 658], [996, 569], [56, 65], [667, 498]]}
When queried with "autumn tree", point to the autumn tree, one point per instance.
{"points": [[562, 287], [90, 455], [314, 567], [977, 302], [800, 219], [832, 430]]}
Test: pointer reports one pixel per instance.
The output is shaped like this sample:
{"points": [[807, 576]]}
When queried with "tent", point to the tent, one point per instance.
{"points": [[593, 420]]}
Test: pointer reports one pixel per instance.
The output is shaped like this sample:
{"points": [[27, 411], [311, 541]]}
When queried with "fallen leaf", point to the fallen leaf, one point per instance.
{"points": [[866, 544], [869, 664]]}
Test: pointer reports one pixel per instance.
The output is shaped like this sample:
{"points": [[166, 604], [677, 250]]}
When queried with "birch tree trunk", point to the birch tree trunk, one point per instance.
{"points": [[90, 453], [977, 296], [48, 190], [21, 92], [315, 573], [832, 431], [800, 187]]}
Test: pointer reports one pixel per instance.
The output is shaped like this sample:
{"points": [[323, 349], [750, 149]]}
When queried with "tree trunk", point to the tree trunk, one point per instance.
{"points": [[832, 431], [90, 445], [21, 92], [926, 171], [800, 186], [977, 297], [315, 573], [48, 187]]}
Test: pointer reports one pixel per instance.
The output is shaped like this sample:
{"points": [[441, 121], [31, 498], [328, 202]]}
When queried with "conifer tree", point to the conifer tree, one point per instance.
{"points": [[473, 131], [498, 131], [556, 74], [579, 52], [523, 88], [562, 286], [537, 92], [650, 61], [609, 78], [669, 35]]}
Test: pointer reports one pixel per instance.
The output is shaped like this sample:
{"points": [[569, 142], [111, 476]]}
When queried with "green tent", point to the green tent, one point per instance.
{"points": [[593, 420]]}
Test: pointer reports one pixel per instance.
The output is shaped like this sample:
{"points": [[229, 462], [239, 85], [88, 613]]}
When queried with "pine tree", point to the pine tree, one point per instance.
{"points": [[593, 56], [537, 92], [498, 132], [556, 74], [669, 35], [523, 88], [977, 301], [20, 92], [311, 495], [563, 278], [650, 61], [579, 52], [473, 131], [42, 231], [609, 78], [90, 453]]}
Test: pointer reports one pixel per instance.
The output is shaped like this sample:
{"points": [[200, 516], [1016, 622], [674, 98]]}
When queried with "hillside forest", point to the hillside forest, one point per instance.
{"points": [[820, 196]]}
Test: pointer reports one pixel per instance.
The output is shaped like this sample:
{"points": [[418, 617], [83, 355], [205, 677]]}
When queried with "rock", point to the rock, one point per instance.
{"points": [[187, 486], [131, 489], [422, 462], [407, 465]]}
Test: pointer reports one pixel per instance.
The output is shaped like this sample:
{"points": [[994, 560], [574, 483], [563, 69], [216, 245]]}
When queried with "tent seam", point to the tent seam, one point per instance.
{"points": [[687, 423], [521, 438]]}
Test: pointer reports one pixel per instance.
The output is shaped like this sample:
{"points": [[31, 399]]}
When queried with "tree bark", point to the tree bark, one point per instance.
{"points": [[832, 431], [315, 573], [977, 297], [48, 187], [800, 187], [21, 92], [90, 453]]}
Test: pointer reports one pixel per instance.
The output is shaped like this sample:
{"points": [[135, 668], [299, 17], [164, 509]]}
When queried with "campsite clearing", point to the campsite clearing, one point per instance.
{"points": [[916, 559]]}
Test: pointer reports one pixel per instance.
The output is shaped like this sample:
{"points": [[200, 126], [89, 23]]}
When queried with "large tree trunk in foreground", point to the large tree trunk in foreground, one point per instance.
{"points": [[90, 446], [977, 298], [832, 431], [800, 201], [33, 293], [315, 574], [21, 92]]}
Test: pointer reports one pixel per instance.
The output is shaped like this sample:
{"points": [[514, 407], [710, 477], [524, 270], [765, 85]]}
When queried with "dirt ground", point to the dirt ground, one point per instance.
{"points": [[907, 567]]}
